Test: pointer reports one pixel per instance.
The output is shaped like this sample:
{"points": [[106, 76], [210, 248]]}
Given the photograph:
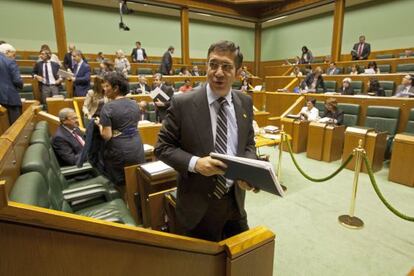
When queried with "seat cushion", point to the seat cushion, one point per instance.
{"points": [[383, 118], [408, 67], [42, 125], [388, 87], [357, 86], [112, 211]]}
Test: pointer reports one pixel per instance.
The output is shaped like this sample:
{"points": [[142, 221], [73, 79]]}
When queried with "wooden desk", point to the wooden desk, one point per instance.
{"points": [[325, 142], [261, 118], [402, 160], [4, 119], [298, 130], [149, 133], [373, 143]]}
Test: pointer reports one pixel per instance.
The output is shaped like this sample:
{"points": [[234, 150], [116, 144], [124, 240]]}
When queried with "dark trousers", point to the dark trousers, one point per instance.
{"points": [[13, 112], [49, 91], [221, 221]]}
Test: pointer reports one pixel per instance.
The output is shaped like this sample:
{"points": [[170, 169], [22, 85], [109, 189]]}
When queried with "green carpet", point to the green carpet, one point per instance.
{"points": [[309, 239]]}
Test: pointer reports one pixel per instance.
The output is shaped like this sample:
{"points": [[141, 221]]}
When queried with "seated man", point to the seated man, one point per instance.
{"points": [[332, 70], [406, 89], [68, 142]]}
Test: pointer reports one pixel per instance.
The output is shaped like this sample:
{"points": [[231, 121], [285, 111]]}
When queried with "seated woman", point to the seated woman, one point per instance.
{"points": [[372, 68], [184, 72], [106, 66], [355, 70], [309, 112], [118, 127], [346, 88], [375, 89], [313, 81], [94, 100], [296, 72], [246, 85], [186, 87], [332, 114]]}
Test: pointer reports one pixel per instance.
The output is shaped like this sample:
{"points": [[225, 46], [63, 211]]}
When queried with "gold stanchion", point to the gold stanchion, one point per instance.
{"points": [[350, 221], [279, 164]]}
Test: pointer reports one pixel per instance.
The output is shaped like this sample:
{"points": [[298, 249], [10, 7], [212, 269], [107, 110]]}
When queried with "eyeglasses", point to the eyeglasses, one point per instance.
{"points": [[226, 67]]}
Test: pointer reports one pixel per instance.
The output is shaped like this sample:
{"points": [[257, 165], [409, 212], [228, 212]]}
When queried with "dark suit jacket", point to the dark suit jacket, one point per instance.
{"points": [[139, 90], [399, 92], [81, 84], [162, 110], [166, 63], [347, 91], [66, 147], [10, 81], [187, 132], [134, 54], [366, 51], [334, 71], [309, 79], [338, 116], [38, 70], [67, 61]]}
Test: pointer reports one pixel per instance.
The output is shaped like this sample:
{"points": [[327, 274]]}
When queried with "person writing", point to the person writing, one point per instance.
{"points": [[212, 118], [332, 114], [309, 112]]}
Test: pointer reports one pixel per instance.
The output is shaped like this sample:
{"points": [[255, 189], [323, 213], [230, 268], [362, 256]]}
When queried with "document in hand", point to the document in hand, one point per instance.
{"points": [[65, 74], [259, 174], [157, 93]]}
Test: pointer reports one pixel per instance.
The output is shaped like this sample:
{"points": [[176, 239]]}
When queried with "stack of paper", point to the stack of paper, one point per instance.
{"points": [[156, 169]]}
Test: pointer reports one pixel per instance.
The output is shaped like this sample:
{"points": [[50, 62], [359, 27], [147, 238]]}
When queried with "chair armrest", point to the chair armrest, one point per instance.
{"points": [[76, 198], [74, 170], [82, 188]]}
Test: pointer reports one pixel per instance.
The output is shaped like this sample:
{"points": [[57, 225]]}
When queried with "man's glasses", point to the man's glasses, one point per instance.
{"points": [[226, 67]]}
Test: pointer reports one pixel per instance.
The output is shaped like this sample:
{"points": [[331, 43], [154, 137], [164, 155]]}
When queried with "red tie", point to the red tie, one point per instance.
{"points": [[361, 46], [77, 137]]}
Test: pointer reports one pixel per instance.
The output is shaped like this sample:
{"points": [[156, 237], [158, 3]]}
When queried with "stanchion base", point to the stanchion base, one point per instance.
{"points": [[351, 222]]}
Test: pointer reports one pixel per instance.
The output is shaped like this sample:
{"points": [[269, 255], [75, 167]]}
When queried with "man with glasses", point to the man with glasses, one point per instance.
{"points": [[406, 88], [68, 142], [211, 118]]}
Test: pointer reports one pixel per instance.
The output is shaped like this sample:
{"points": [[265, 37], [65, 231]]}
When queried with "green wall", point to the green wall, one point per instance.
{"points": [[95, 29], [203, 34], [27, 24], [387, 24], [286, 40]]}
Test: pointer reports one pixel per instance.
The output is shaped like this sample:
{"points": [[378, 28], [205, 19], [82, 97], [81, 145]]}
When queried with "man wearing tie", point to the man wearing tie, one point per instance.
{"points": [[68, 142], [138, 54], [46, 73], [211, 118], [81, 75], [361, 50], [406, 88]]}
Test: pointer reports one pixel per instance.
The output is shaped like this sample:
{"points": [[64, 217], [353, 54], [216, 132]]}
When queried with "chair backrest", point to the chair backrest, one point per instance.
{"points": [[133, 86], [25, 70], [27, 92], [383, 118], [384, 68], [384, 56], [403, 54], [357, 86], [410, 123], [236, 85], [388, 87], [178, 84], [33, 57], [321, 107], [329, 85], [351, 113], [31, 188], [144, 71], [407, 67]]}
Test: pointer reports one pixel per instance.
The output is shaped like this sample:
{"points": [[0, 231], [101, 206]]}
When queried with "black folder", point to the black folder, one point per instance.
{"points": [[257, 173]]}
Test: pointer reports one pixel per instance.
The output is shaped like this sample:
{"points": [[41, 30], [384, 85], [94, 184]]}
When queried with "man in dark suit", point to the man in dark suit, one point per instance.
{"points": [[160, 103], [167, 61], [10, 81], [138, 54], [361, 50], [212, 117], [143, 87], [46, 73], [68, 142], [68, 59], [406, 88], [332, 70], [82, 75]]}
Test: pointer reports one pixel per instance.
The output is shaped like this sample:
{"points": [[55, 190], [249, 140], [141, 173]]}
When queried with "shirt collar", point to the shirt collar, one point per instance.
{"points": [[68, 129], [212, 97]]}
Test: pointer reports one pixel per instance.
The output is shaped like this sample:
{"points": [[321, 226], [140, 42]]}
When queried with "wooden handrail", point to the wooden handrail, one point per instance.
{"points": [[299, 103]]}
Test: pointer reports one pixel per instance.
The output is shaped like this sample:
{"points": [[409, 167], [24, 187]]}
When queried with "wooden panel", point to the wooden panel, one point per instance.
{"points": [[149, 133], [333, 143], [402, 160], [4, 119], [257, 47], [261, 118], [278, 103], [259, 100], [54, 105], [275, 83], [60, 31], [337, 31], [316, 137], [9, 170], [185, 44]]}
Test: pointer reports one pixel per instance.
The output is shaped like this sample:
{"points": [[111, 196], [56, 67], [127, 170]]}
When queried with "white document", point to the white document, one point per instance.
{"points": [[148, 148], [65, 74], [258, 88], [158, 92], [156, 167]]}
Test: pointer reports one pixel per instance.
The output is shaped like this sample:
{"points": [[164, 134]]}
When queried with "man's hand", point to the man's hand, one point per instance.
{"points": [[208, 166], [246, 186], [159, 103], [39, 78]]}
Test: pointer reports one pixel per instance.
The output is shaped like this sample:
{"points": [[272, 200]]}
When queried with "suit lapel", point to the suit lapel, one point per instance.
{"points": [[202, 121], [242, 121]]}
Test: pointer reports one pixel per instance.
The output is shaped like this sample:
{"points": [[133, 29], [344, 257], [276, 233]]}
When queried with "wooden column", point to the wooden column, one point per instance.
{"points": [[185, 44], [337, 30], [60, 30], [257, 47]]}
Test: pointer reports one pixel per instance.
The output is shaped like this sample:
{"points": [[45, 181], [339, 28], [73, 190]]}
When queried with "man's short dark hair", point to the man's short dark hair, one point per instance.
{"points": [[138, 42], [2, 42], [227, 46], [171, 48], [116, 79]]}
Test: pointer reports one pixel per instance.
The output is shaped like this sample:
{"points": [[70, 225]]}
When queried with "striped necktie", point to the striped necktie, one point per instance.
{"points": [[221, 145]]}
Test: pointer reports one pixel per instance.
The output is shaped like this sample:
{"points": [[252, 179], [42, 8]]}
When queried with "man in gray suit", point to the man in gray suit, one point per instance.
{"points": [[167, 62], [211, 118], [406, 89]]}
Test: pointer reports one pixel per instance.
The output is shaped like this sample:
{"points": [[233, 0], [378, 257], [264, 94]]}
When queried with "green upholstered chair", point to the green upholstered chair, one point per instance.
{"points": [[33, 57], [26, 70], [357, 86], [388, 87], [330, 87], [321, 107], [384, 68], [133, 87], [144, 71], [32, 188], [317, 60], [407, 67], [177, 71], [351, 113], [403, 54], [178, 84], [384, 56], [27, 92], [410, 123], [236, 85]]}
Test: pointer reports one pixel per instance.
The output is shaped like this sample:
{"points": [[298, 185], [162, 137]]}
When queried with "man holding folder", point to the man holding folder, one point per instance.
{"points": [[211, 118]]}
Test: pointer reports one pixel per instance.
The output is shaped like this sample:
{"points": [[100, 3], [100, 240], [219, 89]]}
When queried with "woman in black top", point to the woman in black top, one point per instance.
{"points": [[375, 89], [307, 56], [118, 127], [332, 112], [313, 81]]}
